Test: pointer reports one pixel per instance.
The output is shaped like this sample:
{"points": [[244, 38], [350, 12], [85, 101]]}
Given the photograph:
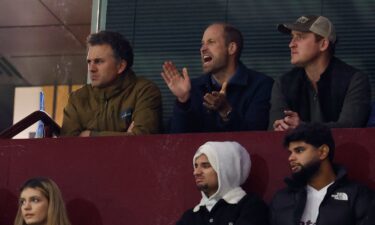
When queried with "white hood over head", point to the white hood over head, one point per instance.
{"points": [[231, 161]]}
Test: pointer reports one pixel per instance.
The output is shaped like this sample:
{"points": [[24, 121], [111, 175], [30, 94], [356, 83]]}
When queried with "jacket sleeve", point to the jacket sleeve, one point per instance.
{"points": [[186, 218], [257, 111], [146, 114], [363, 206], [272, 218], [182, 119], [254, 212], [356, 106], [278, 104], [71, 125]]}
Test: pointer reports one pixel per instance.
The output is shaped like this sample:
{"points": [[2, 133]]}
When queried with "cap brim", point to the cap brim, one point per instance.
{"points": [[284, 28], [287, 28]]}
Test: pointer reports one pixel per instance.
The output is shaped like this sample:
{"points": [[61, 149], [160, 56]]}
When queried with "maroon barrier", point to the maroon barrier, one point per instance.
{"points": [[148, 179]]}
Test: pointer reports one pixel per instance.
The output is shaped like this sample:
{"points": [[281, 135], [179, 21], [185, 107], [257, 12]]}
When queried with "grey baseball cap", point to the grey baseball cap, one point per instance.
{"points": [[317, 24]]}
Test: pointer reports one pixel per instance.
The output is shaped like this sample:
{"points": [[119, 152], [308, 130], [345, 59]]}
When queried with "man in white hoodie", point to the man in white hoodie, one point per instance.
{"points": [[219, 170]]}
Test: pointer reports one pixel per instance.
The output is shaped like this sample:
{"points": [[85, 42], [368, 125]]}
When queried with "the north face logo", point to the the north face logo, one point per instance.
{"points": [[340, 196], [302, 19]]}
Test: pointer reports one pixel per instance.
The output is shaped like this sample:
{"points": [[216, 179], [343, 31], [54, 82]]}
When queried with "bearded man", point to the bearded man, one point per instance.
{"points": [[318, 191]]}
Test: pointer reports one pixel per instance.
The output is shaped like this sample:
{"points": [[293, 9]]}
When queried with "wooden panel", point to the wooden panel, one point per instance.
{"points": [[48, 99], [62, 100], [62, 97]]}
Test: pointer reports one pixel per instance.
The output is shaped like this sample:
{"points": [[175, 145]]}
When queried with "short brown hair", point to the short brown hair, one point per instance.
{"points": [[232, 34], [119, 44]]}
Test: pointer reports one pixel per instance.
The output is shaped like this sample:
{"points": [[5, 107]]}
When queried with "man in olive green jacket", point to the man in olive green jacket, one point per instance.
{"points": [[116, 102]]}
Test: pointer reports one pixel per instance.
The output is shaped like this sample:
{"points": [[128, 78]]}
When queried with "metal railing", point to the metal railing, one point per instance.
{"points": [[51, 128]]}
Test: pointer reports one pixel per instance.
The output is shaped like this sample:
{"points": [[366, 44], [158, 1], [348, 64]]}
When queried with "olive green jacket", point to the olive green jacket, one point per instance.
{"points": [[110, 111]]}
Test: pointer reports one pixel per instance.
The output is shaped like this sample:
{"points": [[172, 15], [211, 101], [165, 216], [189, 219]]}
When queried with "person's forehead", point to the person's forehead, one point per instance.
{"points": [[31, 192], [201, 158], [296, 32], [103, 49], [296, 144], [215, 30]]}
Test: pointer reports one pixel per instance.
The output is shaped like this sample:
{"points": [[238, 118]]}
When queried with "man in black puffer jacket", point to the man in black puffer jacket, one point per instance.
{"points": [[318, 192]]}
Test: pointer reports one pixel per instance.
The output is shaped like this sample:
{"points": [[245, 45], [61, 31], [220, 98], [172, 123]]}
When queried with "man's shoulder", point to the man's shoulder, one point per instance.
{"points": [[341, 64], [351, 187], [284, 196], [142, 81], [255, 75], [295, 72], [187, 217], [251, 197], [200, 80], [82, 92], [292, 77], [142, 84], [251, 200]]}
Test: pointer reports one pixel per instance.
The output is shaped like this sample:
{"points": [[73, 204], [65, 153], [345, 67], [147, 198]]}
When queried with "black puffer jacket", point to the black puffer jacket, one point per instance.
{"points": [[346, 203]]}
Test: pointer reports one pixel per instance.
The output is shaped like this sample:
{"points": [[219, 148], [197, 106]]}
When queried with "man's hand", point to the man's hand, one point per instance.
{"points": [[217, 101], [280, 125], [177, 83], [290, 121], [85, 133], [130, 128]]}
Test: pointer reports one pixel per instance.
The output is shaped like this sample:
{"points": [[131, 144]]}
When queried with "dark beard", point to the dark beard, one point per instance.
{"points": [[203, 188], [307, 172]]}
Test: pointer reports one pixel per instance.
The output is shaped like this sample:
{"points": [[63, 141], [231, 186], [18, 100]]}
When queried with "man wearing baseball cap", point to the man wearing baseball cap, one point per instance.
{"points": [[320, 88]]}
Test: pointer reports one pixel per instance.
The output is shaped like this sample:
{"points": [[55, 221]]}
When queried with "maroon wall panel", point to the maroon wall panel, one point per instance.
{"points": [[148, 179]]}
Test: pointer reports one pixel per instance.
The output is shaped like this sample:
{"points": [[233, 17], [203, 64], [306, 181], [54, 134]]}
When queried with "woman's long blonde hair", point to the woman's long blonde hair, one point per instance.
{"points": [[56, 208]]}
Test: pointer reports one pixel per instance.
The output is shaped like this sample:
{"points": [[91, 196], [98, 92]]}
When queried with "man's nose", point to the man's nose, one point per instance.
{"points": [[291, 157], [91, 66], [292, 43], [197, 171], [203, 47]]}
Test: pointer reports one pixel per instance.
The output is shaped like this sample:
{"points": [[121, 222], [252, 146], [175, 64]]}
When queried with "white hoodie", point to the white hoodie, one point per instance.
{"points": [[232, 164]]}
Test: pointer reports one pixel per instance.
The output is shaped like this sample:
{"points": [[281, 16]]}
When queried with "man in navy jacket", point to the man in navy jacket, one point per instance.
{"points": [[229, 97]]}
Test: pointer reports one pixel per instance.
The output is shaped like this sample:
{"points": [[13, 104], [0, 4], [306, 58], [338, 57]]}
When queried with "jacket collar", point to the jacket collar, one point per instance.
{"points": [[231, 197], [239, 78]]}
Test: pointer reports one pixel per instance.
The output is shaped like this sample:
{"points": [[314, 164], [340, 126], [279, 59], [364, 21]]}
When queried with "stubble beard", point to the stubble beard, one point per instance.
{"points": [[204, 188], [219, 65]]}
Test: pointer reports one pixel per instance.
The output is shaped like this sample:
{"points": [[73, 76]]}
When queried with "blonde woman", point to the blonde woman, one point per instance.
{"points": [[41, 203]]}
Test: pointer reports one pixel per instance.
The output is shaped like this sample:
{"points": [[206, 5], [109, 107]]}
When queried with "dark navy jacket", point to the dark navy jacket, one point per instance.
{"points": [[248, 92]]}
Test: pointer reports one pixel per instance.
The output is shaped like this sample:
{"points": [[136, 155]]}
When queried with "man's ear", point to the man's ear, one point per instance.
{"points": [[324, 44], [324, 151], [232, 48], [121, 66]]}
